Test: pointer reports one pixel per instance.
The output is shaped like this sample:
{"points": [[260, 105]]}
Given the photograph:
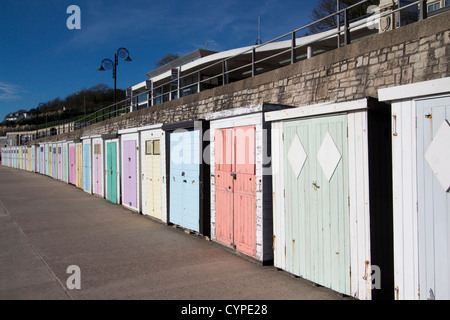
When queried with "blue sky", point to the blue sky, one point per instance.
{"points": [[41, 59]]}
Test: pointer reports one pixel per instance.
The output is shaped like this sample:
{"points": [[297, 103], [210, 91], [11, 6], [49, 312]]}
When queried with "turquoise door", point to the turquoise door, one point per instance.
{"points": [[111, 172], [87, 168], [184, 179], [316, 201]]}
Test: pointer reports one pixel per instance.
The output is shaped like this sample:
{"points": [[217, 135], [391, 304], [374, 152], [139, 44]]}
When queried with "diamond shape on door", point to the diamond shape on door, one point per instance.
{"points": [[297, 156], [438, 155], [328, 156]]}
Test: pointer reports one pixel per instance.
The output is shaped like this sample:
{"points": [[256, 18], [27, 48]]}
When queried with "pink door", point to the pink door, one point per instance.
{"points": [[60, 164], [73, 168], [224, 166], [97, 170], [236, 188]]}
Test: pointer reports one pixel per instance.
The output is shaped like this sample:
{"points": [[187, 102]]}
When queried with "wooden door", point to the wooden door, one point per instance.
{"points": [[151, 179], [433, 197], [97, 170], [111, 171], [317, 201], [236, 188], [72, 163], [184, 179], [129, 173], [87, 167], [78, 165]]}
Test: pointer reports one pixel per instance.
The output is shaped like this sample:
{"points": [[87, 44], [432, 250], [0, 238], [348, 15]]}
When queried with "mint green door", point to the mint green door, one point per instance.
{"points": [[316, 201], [111, 172]]}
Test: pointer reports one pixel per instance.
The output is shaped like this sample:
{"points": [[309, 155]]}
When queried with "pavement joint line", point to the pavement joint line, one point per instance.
{"points": [[34, 249]]}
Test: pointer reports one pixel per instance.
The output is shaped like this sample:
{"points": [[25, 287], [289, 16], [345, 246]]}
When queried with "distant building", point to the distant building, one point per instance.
{"points": [[13, 116], [3, 142]]}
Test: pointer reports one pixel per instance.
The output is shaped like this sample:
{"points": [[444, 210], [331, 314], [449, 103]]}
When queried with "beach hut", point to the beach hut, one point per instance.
{"points": [[112, 169], [65, 161], [79, 164], [241, 184], [129, 146], [87, 164], [72, 163], [421, 188], [188, 189], [41, 158], [59, 153], [153, 172], [332, 196], [38, 157], [54, 160], [98, 163], [33, 158]]}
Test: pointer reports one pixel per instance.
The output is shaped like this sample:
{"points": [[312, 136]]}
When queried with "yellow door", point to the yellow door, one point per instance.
{"points": [[78, 165], [29, 159], [151, 179]]}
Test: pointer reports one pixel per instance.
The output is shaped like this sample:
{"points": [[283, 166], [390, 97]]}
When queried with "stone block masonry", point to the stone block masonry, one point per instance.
{"points": [[414, 53]]}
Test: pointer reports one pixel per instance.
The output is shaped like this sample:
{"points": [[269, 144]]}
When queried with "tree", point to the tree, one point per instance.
{"points": [[328, 7], [166, 59]]}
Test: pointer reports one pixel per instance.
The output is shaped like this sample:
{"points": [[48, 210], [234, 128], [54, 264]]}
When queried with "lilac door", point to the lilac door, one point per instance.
{"points": [[97, 181], [129, 173], [60, 164], [73, 169]]}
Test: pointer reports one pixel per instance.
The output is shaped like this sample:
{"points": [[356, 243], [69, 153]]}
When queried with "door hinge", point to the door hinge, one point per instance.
{"points": [[348, 201], [282, 136]]}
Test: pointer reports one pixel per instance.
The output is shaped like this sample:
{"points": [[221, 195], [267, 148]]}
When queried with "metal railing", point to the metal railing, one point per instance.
{"points": [[159, 94]]}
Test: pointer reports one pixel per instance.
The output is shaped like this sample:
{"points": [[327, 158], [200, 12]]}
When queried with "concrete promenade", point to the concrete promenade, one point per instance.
{"points": [[47, 225]]}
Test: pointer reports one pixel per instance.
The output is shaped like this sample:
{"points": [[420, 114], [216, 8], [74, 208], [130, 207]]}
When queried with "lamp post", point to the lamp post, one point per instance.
{"points": [[108, 64], [40, 105]]}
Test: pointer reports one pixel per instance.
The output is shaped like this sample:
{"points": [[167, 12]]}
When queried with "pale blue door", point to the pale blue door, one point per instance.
{"points": [[184, 179], [46, 160], [316, 201]]}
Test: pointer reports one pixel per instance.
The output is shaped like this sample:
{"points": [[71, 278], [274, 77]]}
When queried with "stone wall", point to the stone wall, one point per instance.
{"points": [[414, 53]]}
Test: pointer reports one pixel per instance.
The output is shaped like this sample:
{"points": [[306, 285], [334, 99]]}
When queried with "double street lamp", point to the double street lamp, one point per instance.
{"points": [[108, 64]]}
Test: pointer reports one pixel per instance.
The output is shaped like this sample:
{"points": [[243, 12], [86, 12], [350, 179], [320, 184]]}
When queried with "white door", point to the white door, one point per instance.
{"points": [[433, 197]]}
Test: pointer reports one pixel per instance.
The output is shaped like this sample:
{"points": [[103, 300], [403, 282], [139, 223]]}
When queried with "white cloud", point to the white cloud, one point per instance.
{"points": [[9, 91]]}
